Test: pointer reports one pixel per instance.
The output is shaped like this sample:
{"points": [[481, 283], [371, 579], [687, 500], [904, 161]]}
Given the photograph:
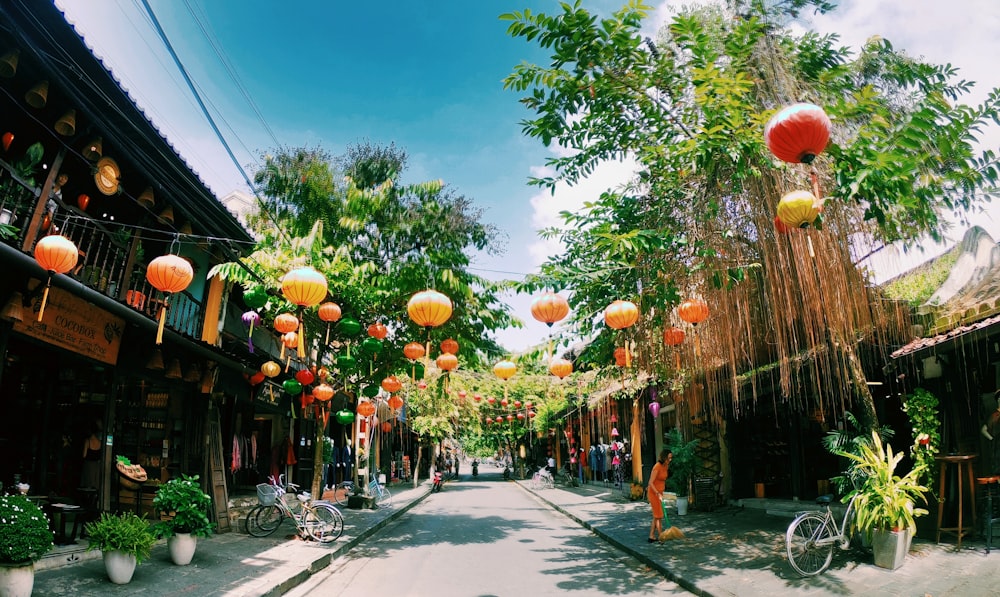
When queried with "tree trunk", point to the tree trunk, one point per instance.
{"points": [[416, 468], [318, 464]]}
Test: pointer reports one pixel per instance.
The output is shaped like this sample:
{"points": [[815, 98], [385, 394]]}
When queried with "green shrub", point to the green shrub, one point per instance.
{"points": [[187, 506], [127, 533], [24, 530]]}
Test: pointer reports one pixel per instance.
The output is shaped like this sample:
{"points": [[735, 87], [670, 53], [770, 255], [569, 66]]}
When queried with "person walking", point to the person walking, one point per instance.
{"points": [[654, 492]]}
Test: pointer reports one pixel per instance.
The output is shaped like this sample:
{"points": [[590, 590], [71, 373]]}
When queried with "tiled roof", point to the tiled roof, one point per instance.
{"points": [[925, 343]]}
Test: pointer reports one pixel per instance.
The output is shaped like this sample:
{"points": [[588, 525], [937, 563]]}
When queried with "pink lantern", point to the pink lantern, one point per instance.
{"points": [[250, 318], [654, 409]]}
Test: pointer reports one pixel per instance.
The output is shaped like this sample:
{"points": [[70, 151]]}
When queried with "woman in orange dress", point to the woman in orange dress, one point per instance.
{"points": [[654, 491]]}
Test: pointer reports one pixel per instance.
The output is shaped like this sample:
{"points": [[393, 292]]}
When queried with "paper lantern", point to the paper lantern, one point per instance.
{"points": [[378, 331], [798, 133], [344, 417], [372, 346], [621, 357], [449, 345], [270, 368], [322, 392], [392, 384], [305, 376], [780, 226], [520, 416], [290, 340], [250, 319], [499, 419], [517, 404], [395, 402], [349, 326], [504, 403], [286, 322], [429, 308], [477, 397], [386, 427], [291, 386], [531, 414], [673, 336], [447, 361], [462, 394], [370, 390], [654, 409], [510, 418], [491, 399], [255, 297], [256, 378], [330, 313], [346, 362], [366, 409], [505, 370], [57, 255], [422, 385], [168, 274], [798, 209], [549, 308], [621, 314], [693, 311], [413, 351], [560, 368], [304, 287]]}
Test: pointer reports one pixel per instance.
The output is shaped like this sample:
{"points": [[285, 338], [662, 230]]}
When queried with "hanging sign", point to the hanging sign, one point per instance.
{"points": [[74, 324]]}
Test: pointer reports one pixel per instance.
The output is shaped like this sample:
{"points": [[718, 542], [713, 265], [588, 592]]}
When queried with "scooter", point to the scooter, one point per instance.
{"points": [[475, 468], [438, 482]]}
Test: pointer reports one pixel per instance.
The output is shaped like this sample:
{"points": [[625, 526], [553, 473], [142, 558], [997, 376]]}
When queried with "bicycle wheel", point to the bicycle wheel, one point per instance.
{"points": [[341, 492], [250, 522], [548, 483], [267, 520], [324, 523], [383, 499], [809, 544]]}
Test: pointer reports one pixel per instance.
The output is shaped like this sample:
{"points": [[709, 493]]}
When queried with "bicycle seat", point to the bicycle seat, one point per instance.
{"points": [[825, 500], [305, 496]]}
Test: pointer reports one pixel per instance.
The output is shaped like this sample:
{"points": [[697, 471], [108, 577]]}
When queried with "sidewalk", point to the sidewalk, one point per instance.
{"points": [[741, 551], [230, 564]]}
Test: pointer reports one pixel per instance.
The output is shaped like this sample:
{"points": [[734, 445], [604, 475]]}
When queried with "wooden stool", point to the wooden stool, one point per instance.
{"points": [[964, 463], [989, 485]]}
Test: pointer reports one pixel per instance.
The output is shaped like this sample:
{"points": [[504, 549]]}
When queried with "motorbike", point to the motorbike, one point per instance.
{"points": [[506, 472], [438, 482], [475, 468]]}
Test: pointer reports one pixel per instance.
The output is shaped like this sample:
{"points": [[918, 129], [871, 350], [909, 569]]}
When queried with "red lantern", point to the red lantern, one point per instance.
{"points": [[57, 255], [386, 427], [693, 311], [504, 370], [462, 394], [673, 336], [560, 368], [366, 409], [780, 226], [798, 133], [392, 384], [286, 322], [322, 392], [510, 418], [520, 416], [82, 201], [503, 403], [304, 287], [549, 308], [413, 351], [168, 274], [256, 378], [621, 359], [491, 399], [422, 385], [531, 414], [621, 314], [477, 397], [378, 331], [527, 405], [499, 419], [304, 376], [449, 345], [517, 404], [429, 308], [447, 361], [395, 402]]}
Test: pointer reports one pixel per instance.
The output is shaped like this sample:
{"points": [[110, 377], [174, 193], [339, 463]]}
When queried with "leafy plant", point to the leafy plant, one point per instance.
{"points": [[187, 505], [127, 533], [683, 462], [24, 530], [27, 166], [850, 440], [885, 501], [922, 408]]}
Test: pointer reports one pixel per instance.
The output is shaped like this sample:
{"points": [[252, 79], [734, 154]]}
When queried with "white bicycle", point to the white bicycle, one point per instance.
{"points": [[542, 479]]}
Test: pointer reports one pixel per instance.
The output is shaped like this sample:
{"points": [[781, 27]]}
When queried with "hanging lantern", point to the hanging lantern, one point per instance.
{"points": [[477, 397], [549, 308], [798, 209], [270, 369], [654, 409], [527, 405], [57, 255], [491, 399], [344, 417], [413, 351], [395, 402], [621, 314], [504, 403], [371, 345], [520, 416], [693, 311], [370, 390], [510, 418], [798, 133], [392, 384], [322, 392], [255, 297], [673, 336], [305, 376], [330, 313], [614, 432], [286, 322], [531, 414], [304, 287], [256, 378], [499, 419], [447, 361], [345, 363], [560, 368], [250, 319], [429, 308], [621, 359], [168, 274], [449, 345], [780, 226], [378, 331], [517, 404], [290, 340], [462, 394], [366, 409], [291, 386], [422, 385], [386, 427], [504, 369], [349, 326]]}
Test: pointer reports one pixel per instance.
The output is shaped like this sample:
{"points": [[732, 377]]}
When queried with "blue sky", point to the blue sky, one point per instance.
{"points": [[426, 75]]}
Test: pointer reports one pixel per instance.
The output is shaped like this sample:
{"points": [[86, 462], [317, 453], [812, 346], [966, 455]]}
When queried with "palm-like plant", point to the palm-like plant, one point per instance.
{"points": [[885, 501]]}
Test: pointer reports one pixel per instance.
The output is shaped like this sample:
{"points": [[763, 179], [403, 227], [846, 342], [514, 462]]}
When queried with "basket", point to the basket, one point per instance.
{"points": [[131, 476], [266, 494]]}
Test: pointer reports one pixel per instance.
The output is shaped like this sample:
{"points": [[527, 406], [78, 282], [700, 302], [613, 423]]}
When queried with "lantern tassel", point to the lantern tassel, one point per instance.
{"points": [[250, 338], [302, 337], [45, 298], [628, 356], [271, 389], [163, 320], [281, 357], [288, 363], [327, 341]]}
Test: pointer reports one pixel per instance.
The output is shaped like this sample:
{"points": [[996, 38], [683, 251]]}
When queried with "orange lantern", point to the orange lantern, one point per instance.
{"points": [[520, 416], [517, 404], [560, 368], [693, 311], [395, 402], [290, 340], [499, 419], [621, 357], [330, 313], [168, 274], [491, 399], [447, 361], [462, 394], [798, 133], [57, 255], [477, 397], [449, 345], [621, 314], [673, 336], [386, 427], [322, 392], [504, 370], [549, 308], [780, 226], [378, 331], [286, 322], [366, 409], [413, 350], [392, 384], [504, 403], [270, 368]]}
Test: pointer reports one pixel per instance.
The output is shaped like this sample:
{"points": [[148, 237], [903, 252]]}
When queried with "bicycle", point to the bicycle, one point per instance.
{"points": [[810, 538], [342, 491], [542, 479], [319, 520], [383, 499]]}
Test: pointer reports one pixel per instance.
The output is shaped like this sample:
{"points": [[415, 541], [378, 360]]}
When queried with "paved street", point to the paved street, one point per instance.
{"points": [[486, 537]]}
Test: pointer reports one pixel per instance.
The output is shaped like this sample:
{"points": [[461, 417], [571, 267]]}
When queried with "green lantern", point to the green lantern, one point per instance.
{"points": [[256, 297], [344, 417], [370, 390], [372, 346], [418, 370], [346, 362], [349, 326], [292, 386]]}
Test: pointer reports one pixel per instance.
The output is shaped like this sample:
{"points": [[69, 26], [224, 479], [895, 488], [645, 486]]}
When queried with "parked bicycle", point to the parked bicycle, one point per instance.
{"points": [[383, 499], [317, 520], [811, 537], [542, 479]]}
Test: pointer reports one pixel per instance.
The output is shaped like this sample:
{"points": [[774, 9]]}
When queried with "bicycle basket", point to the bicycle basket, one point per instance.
{"points": [[266, 494]]}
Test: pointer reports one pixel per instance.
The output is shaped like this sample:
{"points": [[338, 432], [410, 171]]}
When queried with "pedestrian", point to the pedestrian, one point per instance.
{"points": [[654, 492], [551, 465]]}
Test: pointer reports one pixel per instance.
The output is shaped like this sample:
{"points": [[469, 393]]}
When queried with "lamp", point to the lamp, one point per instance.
{"points": [[13, 310], [193, 373], [155, 361], [38, 95], [94, 149], [185, 228], [174, 370], [66, 125], [167, 215], [207, 379], [146, 198], [8, 64]]}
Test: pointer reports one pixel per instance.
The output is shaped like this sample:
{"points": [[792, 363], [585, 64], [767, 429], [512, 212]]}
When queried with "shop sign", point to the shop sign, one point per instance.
{"points": [[74, 324]]}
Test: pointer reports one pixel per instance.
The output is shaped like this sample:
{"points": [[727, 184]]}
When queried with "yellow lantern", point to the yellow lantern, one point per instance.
{"points": [[621, 314], [429, 309], [504, 370], [560, 368], [549, 308], [799, 209], [304, 287], [270, 369]]}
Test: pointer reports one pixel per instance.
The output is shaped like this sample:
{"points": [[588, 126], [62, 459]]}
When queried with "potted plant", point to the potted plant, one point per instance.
{"points": [[681, 467], [125, 541], [185, 508], [885, 503], [24, 538]]}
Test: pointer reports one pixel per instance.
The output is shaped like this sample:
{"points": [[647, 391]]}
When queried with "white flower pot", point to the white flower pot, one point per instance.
{"points": [[182, 546], [682, 506], [120, 566], [17, 580]]}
